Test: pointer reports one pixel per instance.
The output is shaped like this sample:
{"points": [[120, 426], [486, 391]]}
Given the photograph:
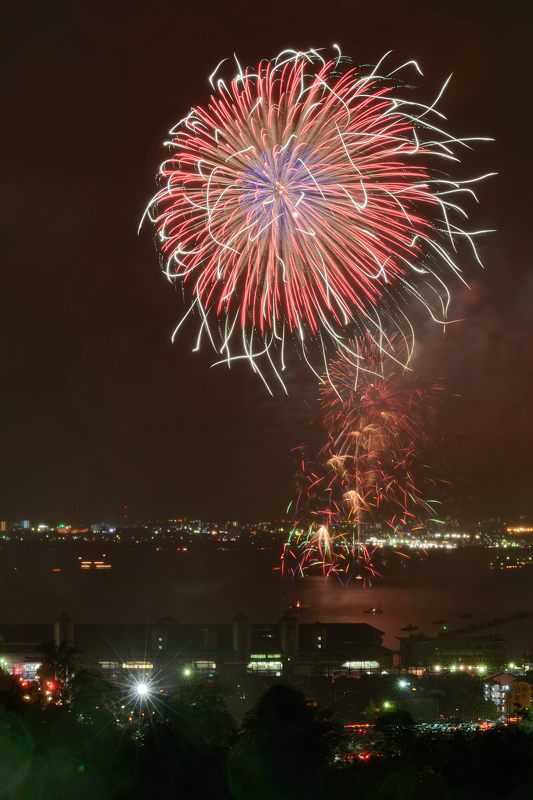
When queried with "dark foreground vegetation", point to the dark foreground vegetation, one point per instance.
{"points": [[93, 743]]}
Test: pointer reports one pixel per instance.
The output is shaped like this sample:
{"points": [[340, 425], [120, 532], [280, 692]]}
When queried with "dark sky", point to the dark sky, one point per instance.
{"points": [[98, 408]]}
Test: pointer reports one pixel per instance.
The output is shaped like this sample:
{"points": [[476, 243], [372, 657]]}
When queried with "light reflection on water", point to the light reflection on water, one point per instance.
{"points": [[213, 586]]}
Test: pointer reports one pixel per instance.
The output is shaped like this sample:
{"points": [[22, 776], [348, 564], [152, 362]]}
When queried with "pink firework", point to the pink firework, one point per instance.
{"points": [[298, 199]]}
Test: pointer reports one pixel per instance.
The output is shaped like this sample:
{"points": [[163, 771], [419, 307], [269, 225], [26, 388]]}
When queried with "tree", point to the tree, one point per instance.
{"points": [[371, 711], [282, 751], [201, 706], [183, 744], [10, 692], [58, 662], [92, 696]]}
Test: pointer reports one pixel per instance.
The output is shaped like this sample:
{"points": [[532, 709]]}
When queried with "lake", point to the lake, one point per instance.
{"points": [[213, 585]]}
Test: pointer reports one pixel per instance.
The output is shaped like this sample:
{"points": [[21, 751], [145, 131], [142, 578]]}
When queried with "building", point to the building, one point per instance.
{"points": [[421, 652], [284, 649], [111, 647], [510, 693]]}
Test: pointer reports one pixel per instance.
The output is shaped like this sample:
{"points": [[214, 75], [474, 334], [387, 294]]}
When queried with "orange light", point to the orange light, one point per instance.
{"points": [[359, 725]]}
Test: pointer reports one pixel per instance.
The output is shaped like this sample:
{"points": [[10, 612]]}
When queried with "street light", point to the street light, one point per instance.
{"points": [[142, 689], [403, 684]]}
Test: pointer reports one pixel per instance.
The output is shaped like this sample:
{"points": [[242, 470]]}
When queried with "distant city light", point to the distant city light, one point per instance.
{"points": [[520, 529]]}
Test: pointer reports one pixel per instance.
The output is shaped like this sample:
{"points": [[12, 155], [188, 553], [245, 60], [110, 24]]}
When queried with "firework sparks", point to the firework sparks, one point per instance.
{"points": [[377, 418], [324, 538], [377, 421], [298, 203]]}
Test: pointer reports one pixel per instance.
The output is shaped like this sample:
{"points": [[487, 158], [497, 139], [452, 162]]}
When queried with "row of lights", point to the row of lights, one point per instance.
{"points": [[480, 668]]}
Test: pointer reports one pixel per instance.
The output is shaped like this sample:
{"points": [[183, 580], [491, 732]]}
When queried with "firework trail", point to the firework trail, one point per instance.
{"points": [[377, 416], [323, 539], [377, 419], [303, 202]]}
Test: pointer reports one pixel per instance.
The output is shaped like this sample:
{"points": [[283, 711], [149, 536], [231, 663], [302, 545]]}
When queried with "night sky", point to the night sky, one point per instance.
{"points": [[98, 408]]}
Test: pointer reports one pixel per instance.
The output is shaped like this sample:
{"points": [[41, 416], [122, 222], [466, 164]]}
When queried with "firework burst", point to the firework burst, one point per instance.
{"points": [[377, 420], [324, 539], [377, 416], [299, 202]]}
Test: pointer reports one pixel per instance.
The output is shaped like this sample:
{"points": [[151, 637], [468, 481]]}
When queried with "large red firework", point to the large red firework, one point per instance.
{"points": [[297, 197]]}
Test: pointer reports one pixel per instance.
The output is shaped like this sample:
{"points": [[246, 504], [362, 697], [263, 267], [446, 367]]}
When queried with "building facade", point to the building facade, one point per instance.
{"points": [[511, 694], [284, 649], [420, 652]]}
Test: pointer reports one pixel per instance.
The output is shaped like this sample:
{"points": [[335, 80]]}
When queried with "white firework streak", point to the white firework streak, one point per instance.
{"points": [[298, 204]]}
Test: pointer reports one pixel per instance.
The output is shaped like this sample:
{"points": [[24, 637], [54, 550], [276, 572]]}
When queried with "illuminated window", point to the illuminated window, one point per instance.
{"points": [[137, 665], [360, 665], [28, 669], [205, 666], [265, 656], [265, 667]]}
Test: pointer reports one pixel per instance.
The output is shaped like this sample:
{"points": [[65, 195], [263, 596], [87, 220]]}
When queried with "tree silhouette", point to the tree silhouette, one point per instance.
{"points": [[58, 662], [282, 751]]}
